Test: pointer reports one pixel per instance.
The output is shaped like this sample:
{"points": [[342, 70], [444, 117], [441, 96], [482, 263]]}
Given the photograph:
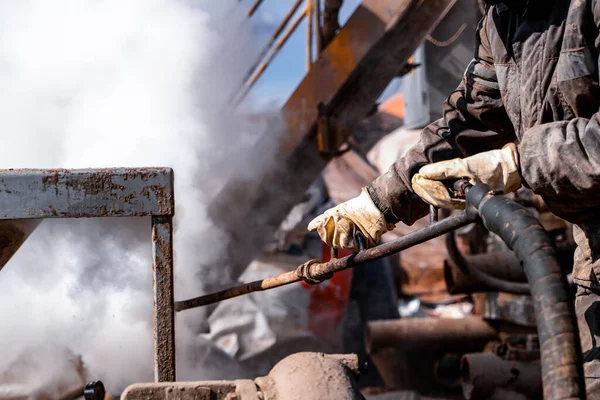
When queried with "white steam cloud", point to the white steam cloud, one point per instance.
{"points": [[88, 83]]}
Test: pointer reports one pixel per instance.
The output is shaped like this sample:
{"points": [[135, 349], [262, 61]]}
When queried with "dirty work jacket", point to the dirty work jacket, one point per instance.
{"points": [[534, 80]]}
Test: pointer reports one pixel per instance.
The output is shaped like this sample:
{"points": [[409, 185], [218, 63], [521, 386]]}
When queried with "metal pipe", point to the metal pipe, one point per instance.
{"points": [[466, 334], [562, 362], [433, 215], [309, 34], [481, 276], [457, 282], [483, 373], [246, 86], [501, 264], [318, 27], [315, 271], [254, 7]]}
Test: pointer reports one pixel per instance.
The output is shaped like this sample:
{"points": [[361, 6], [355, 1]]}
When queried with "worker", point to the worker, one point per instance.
{"points": [[526, 113]]}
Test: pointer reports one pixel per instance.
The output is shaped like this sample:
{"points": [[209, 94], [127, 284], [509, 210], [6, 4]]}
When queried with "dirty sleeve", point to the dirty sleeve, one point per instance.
{"points": [[561, 160], [474, 121]]}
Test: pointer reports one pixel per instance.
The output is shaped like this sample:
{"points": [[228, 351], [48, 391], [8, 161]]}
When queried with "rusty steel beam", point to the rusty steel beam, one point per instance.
{"points": [[85, 193], [163, 299], [467, 334], [27, 196], [349, 76]]}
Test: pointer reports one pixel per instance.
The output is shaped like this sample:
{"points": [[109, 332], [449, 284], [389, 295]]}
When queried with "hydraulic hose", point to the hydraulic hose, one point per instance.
{"points": [[562, 363], [488, 280]]}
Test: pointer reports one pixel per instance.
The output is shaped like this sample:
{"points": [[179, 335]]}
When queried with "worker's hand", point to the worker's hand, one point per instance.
{"points": [[338, 226], [499, 169]]}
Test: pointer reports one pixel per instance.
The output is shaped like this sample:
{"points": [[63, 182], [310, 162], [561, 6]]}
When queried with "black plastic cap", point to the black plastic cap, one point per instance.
{"points": [[94, 391]]}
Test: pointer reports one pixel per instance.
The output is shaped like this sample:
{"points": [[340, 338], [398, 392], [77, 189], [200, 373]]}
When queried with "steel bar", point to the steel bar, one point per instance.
{"points": [[164, 316], [318, 27], [316, 270], [433, 215], [250, 75], [86, 193], [467, 334], [309, 34], [483, 373], [254, 7]]}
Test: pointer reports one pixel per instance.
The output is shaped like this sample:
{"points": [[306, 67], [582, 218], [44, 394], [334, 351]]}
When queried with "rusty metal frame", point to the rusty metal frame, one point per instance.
{"points": [[96, 193]]}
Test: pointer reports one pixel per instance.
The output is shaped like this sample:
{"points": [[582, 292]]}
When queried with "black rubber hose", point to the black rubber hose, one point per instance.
{"points": [[562, 363], [488, 280]]}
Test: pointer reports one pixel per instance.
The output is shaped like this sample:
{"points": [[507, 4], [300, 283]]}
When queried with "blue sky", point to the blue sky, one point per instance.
{"points": [[289, 67]]}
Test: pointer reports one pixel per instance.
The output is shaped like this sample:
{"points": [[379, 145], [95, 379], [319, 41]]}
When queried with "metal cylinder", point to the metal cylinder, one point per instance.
{"points": [[467, 334], [501, 264], [483, 373], [13, 234], [457, 282]]}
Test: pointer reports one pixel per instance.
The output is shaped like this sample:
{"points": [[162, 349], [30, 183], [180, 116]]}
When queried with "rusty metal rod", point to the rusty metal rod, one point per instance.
{"points": [[309, 33], [315, 271], [254, 7], [249, 79], [318, 29], [466, 334]]}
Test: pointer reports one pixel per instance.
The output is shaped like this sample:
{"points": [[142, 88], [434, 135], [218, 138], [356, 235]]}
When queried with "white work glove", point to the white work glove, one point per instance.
{"points": [[499, 169], [338, 226]]}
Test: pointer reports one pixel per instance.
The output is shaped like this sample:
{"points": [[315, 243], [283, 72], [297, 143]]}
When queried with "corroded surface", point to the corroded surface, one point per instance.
{"points": [[81, 193], [164, 322]]}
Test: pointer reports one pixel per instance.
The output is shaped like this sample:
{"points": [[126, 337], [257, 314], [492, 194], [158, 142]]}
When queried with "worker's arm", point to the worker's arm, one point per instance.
{"points": [[475, 120], [561, 161]]}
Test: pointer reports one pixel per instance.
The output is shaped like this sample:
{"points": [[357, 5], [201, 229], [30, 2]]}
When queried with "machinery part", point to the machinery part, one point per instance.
{"points": [[118, 192], [513, 308], [562, 363], [94, 391], [376, 40], [465, 334], [299, 376], [13, 234], [314, 270], [483, 373], [517, 348], [312, 376], [433, 215]]}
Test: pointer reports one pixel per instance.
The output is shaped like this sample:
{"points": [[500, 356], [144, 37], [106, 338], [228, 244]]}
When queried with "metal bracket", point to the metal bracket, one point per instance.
{"points": [[96, 193]]}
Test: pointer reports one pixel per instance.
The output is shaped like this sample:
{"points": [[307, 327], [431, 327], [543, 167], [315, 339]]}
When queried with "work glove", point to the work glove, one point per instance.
{"points": [[499, 169], [337, 226]]}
